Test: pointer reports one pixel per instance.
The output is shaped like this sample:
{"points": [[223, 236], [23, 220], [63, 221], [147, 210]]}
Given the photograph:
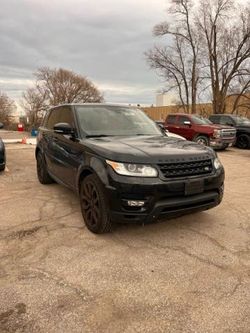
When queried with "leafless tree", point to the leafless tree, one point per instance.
{"points": [[7, 107], [240, 92], [178, 62], [34, 104], [57, 86], [208, 53], [225, 33]]}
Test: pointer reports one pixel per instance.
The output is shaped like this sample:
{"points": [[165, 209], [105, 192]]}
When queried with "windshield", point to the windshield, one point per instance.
{"points": [[199, 120], [114, 120], [241, 120]]}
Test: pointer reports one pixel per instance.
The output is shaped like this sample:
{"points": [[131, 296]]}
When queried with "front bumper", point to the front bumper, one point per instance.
{"points": [[220, 143], [162, 199]]}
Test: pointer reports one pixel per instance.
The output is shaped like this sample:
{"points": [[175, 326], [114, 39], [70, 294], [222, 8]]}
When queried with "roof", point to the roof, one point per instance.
{"points": [[92, 104]]}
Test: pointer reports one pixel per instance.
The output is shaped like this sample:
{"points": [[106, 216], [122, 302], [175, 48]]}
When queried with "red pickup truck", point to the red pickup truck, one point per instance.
{"points": [[199, 129]]}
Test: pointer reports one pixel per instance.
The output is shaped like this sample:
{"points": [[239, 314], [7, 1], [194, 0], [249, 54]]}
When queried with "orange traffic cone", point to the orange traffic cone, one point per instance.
{"points": [[24, 140]]}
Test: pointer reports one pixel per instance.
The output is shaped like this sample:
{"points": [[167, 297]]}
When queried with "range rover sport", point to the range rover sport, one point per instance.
{"points": [[123, 167]]}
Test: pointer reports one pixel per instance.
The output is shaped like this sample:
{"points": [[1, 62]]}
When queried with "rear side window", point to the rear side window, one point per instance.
{"points": [[171, 119]]}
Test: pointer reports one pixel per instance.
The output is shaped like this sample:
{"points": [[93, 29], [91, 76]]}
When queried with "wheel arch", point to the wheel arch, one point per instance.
{"points": [[97, 167], [38, 149], [202, 134]]}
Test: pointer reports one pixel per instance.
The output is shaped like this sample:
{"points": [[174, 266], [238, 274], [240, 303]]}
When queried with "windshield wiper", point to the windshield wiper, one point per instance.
{"points": [[97, 136], [140, 134]]}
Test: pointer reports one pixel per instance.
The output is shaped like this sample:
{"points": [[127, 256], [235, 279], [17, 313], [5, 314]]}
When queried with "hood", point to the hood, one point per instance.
{"points": [[243, 126], [147, 149], [216, 126]]}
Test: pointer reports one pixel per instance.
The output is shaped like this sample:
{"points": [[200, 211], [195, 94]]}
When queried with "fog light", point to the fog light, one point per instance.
{"points": [[135, 203]]}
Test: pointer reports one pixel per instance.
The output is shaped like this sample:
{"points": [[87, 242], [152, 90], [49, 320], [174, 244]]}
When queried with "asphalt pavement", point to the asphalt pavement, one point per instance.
{"points": [[190, 274]]}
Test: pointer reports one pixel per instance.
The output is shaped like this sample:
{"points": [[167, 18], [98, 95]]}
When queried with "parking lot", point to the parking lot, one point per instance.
{"points": [[190, 274]]}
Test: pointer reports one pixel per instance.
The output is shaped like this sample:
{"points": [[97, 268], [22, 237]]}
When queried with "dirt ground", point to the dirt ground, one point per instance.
{"points": [[190, 274]]}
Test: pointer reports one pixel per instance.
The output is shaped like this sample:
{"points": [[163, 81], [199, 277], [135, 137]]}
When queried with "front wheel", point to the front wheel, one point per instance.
{"points": [[202, 140], [224, 147], [243, 141], [94, 206]]}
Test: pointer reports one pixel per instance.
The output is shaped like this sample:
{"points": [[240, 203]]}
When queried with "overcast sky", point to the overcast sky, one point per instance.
{"points": [[104, 40]]}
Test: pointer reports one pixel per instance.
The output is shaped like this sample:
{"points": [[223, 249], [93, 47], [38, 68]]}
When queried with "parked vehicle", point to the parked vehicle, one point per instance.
{"points": [[122, 166], [167, 133], [198, 129], [2, 153], [241, 124]]}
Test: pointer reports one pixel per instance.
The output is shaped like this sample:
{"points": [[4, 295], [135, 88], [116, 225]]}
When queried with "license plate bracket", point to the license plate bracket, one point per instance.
{"points": [[194, 187]]}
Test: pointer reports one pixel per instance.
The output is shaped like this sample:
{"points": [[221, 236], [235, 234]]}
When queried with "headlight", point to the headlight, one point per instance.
{"points": [[217, 133], [136, 170], [217, 163]]}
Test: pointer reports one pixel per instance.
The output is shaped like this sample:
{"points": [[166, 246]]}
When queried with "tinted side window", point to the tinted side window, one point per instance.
{"points": [[181, 120], [215, 119], [171, 119], [53, 118], [226, 121], [60, 115], [66, 116]]}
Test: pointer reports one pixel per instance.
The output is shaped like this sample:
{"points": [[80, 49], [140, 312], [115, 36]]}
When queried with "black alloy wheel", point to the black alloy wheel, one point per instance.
{"points": [[42, 173], [243, 141], [94, 206]]}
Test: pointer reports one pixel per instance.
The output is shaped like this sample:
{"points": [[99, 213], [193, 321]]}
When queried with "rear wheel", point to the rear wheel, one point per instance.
{"points": [[41, 167], [202, 140], [94, 206], [243, 141], [2, 167]]}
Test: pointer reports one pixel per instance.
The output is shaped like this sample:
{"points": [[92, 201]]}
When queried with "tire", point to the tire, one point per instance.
{"points": [[202, 140], [2, 168], [224, 147], [243, 141], [94, 206], [42, 173]]}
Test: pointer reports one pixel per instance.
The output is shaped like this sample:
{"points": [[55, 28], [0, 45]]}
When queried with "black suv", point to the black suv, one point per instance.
{"points": [[241, 124], [123, 167], [2, 153]]}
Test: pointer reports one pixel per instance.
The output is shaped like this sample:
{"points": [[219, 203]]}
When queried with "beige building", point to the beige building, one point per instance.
{"points": [[165, 99]]}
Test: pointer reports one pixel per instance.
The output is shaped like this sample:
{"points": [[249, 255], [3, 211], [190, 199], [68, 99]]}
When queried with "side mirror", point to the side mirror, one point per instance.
{"points": [[160, 125], [187, 122], [162, 128], [64, 129], [1, 125]]}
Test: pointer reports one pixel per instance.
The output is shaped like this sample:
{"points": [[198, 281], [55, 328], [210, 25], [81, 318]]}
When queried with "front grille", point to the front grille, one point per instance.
{"points": [[182, 169], [228, 133]]}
